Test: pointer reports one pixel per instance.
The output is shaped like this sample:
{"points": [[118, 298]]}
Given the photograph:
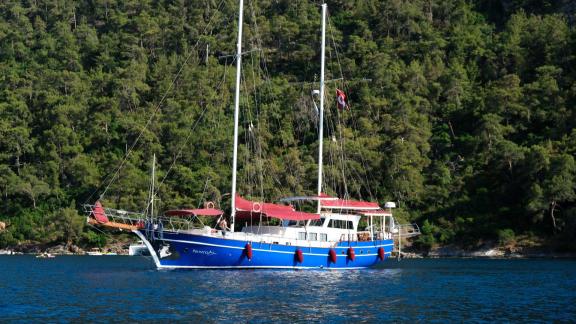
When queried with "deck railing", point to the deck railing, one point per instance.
{"points": [[406, 230]]}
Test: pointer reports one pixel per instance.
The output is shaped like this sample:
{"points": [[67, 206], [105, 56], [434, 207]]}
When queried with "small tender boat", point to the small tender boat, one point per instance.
{"points": [[94, 252], [138, 249], [45, 255]]}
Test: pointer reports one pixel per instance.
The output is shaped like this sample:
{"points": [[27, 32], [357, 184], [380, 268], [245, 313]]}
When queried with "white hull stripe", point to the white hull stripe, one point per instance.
{"points": [[274, 251], [256, 267]]}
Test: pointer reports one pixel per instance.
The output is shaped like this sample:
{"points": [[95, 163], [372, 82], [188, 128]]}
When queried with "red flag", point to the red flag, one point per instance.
{"points": [[341, 100]]}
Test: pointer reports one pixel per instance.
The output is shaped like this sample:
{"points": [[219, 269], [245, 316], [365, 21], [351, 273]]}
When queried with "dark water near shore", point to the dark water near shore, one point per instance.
{"points": [[120, 288]]}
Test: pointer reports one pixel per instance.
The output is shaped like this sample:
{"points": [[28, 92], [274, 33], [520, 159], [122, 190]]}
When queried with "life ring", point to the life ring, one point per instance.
{"points": [[209, 205], [256, 210]]}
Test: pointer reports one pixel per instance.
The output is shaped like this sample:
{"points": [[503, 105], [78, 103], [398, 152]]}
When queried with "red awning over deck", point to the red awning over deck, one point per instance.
{"points": [[247, 209], [194, 212]]}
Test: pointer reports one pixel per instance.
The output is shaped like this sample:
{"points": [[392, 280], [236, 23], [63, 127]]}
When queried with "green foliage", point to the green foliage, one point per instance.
{"points": [[467, 120], [427, 239], [506, 236], [91, 238], [66, 225]]}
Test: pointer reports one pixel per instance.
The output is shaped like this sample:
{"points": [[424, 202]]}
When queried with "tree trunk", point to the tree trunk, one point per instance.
{"points": [[552, 209]]}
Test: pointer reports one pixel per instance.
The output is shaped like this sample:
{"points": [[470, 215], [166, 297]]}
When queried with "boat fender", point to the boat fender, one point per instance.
{"points": [[332, 255], [248, 251], [381, 254], [299, 256], [351, 254]]}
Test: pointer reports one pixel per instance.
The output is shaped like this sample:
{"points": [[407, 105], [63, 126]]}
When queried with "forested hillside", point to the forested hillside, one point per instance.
{"points": [[462, 112]]}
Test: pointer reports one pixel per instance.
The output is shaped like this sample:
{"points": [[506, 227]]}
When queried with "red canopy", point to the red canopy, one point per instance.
{"points": [[349, 204], [194, 212], [246, 208]]}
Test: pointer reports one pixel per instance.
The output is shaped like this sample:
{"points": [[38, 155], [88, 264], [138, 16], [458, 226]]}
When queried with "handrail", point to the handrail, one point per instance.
{"points": [[407, 230]]}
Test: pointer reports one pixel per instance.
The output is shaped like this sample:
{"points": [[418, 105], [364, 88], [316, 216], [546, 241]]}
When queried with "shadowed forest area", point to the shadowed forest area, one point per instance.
{"points": [[462, 112]]}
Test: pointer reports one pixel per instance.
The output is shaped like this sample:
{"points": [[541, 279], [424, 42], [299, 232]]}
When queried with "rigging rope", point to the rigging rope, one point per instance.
{"points": [[190, 132], [181, 148], [156, 109], [353, 172]]}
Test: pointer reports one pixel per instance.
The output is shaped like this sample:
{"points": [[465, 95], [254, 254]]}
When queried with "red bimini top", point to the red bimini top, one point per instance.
{"points": [[249, 209]]}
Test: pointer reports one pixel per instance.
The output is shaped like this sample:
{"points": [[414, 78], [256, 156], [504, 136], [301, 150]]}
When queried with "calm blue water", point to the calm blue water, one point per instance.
{"points": [[121, 288]]}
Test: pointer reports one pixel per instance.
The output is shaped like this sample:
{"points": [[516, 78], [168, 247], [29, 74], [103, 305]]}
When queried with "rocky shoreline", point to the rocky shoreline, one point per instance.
{"points": [[490, 252], [62, 249]]}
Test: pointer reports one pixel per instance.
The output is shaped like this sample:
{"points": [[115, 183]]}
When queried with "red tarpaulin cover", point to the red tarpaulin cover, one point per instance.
{"points": [[246, 208], [194, 212], [98, 212]]}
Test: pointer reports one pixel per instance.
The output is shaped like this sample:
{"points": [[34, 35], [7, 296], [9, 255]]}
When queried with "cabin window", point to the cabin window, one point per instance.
{"points": [[316, 222], [287, 223], [336, 223], [301, 235], [312, 236], [323, 237]]}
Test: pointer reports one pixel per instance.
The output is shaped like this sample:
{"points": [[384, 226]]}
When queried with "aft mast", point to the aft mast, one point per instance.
{"points": [[236, 113], [152, 194], [321, 116], [153, 191]]}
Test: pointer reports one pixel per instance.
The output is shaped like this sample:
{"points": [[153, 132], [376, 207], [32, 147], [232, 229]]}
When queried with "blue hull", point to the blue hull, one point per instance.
{"points": [[198, 251]]}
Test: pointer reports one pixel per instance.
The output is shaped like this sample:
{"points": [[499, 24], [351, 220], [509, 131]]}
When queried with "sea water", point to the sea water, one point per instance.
{"points": [[122, 288]]}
